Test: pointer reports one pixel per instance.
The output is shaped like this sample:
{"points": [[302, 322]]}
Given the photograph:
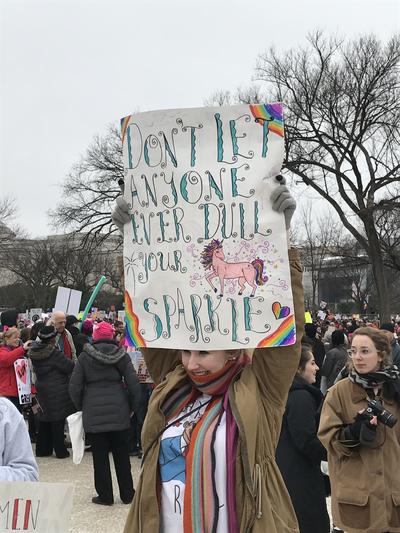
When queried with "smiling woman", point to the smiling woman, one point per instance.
{"points": [[361, 446], [299, 452], [210, 434], [206, 362]]}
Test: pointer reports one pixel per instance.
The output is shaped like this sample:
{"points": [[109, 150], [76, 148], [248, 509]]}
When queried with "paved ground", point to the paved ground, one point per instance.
{"points": [[86, 516]]}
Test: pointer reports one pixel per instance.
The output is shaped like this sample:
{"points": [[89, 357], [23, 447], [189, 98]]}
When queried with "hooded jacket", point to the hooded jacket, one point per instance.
{"points": [[299, 455], [53, 371], [17, 462], [104, 387], [257, 397]]}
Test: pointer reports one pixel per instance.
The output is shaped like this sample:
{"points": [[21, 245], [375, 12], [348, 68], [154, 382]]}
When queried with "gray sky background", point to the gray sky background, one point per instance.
{"points": [[69, 68]]}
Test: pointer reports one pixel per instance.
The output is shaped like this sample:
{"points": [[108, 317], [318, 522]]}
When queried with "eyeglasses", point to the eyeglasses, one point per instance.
{"points": [[364, 352]]}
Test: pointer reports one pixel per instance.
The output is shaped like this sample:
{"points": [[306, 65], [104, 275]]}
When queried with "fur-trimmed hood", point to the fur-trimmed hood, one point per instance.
{"points": [[106, 352], [40, 350]]}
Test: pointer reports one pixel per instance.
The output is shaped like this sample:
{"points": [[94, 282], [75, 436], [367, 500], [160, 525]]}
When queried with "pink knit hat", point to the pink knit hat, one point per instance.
{"points": [[103, 330]]}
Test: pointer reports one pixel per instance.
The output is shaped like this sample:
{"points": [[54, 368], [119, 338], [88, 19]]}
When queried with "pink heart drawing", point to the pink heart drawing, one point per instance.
{"points": [[21, 370], [279, 311]]}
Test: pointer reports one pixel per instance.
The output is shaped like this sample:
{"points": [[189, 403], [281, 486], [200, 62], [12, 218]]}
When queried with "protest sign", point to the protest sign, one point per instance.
{"points": [[38, 507], [321, 315], [205, 257], [68, 300], [23, 377], [35, 314], [307, 317]]}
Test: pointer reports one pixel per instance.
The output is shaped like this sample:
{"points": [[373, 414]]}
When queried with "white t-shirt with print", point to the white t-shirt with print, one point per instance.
{"points": [[174, 442]]}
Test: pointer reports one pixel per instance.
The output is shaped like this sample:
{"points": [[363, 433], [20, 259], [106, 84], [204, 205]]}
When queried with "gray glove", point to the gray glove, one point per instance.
{"points": [[282, 200], [120, 214]]}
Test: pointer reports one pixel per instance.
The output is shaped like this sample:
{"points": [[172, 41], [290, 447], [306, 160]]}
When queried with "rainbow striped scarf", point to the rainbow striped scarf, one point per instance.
{"points": [[201, 503]]}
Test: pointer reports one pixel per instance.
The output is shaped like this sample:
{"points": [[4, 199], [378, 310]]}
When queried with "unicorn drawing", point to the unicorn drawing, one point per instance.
{"points": [[213, 257]]}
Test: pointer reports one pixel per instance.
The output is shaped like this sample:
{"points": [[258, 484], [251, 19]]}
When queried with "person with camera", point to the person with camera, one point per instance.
{"points": [[358, 428]]}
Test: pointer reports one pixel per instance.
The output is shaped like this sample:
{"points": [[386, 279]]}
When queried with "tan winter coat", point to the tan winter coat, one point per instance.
{"points": [[258, 399], [365, 481]]}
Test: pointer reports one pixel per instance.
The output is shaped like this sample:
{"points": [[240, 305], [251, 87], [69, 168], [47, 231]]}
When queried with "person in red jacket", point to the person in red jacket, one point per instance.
{"points": [[11, 349]]}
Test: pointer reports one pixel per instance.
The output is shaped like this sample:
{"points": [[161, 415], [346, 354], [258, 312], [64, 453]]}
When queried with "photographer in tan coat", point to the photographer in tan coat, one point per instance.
{"points": [[358, 428]]}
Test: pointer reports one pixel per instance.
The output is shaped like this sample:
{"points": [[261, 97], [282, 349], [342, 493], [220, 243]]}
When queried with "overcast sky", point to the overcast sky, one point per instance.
{"points": [[69, 68]]}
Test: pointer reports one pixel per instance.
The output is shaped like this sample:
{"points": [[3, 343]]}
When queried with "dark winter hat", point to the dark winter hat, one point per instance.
{"points": [[46, 333], [71, 320], [388, 326], [310, 330], [9, 318]]}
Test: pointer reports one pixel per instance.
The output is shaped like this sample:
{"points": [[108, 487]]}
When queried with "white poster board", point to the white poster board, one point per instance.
{"points": [[35, 507], [68, 300], [23, 378], [205, 257]]}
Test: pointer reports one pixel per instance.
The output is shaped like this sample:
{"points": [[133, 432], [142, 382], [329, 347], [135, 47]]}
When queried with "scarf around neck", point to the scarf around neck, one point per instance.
{"points": [[388, 374], [201, 503]]}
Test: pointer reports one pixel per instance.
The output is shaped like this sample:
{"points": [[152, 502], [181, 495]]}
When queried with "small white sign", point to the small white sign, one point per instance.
{"points": [[35, 314], [68, 300]]}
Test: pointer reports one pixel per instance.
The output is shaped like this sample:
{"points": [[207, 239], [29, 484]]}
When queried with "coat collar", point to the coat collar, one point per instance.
{"points": [[359, 394]]}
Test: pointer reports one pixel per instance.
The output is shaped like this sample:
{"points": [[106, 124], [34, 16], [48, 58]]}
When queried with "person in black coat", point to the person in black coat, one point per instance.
{"points": [[53, 371], [79, 338], [335, 359], [318, 348], [105, 387], [299, 452]]}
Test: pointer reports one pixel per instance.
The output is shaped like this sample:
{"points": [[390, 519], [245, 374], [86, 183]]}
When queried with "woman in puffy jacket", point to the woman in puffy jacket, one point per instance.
{"points": [[105, 387], [53, 370], [11, 349]]}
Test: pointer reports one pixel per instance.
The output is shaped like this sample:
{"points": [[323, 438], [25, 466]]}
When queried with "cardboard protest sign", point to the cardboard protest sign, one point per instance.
{"points": [[38, 507], [23, 377], [205, 257]]}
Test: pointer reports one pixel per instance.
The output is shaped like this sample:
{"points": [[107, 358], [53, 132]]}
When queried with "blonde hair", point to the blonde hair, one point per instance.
{"points": [[9, 333]]}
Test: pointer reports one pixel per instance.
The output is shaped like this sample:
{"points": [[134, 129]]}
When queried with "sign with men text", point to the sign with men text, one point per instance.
{"points": [[38, 507], [205, 256]]}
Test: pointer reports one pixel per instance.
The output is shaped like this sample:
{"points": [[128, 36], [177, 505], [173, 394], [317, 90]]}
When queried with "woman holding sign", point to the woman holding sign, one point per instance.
{"points": [[212, 428], [11, 349]]}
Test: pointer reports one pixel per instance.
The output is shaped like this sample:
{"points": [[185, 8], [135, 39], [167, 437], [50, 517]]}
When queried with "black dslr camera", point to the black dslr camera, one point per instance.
{"points": [[375, 408]]}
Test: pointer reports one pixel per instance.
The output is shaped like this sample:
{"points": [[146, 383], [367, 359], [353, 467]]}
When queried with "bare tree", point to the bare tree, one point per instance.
{"points": [[343, 130], [8, 229], [42, 265], [219, 98], [318, 236], [90, 189], [388, 226]]}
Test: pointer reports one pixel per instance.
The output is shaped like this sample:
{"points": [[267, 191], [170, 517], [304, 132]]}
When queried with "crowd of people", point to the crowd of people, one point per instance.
{"points": [[234, 440], [73, 369]]}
